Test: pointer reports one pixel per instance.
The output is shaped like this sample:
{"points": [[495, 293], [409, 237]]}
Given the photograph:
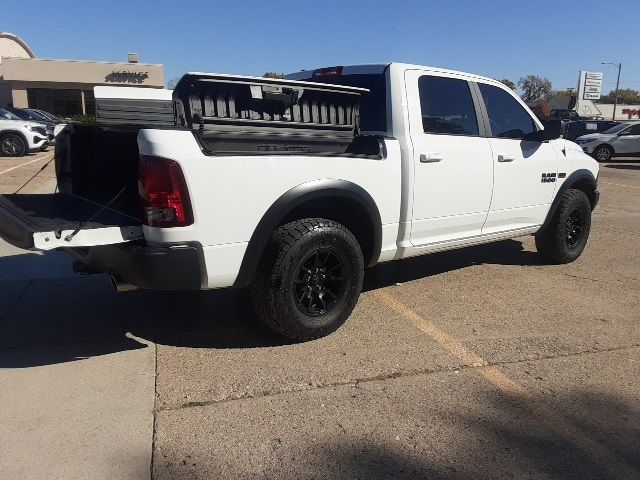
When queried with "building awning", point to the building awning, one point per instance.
{"points": [[76, 71]]}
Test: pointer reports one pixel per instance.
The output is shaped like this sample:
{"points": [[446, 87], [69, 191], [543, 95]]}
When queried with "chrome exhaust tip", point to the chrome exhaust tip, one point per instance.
{"points": [[121, 286]]}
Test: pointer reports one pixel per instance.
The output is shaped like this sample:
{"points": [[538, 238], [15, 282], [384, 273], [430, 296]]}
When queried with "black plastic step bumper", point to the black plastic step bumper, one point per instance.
{"points": [[175, 267]]}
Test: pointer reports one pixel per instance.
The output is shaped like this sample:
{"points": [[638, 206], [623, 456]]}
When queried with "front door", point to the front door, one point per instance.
{"points": [[628, 140], [453, 171], [525, 172]]}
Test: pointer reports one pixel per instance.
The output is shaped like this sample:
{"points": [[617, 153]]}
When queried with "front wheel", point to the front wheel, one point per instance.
{"points": [[309, 278], [564, 238], [603, 153], [12, 145]]}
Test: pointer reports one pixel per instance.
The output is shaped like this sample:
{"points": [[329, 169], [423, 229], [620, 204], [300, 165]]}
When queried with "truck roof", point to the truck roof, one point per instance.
{"points": [[377, 68]]}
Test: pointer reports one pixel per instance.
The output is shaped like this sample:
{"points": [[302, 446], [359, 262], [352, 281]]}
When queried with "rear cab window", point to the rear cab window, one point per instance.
{"points": [[447, 106], [373, 106]]}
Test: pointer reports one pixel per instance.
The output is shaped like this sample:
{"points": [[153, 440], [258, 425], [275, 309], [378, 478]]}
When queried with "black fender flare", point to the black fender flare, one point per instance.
{"points": [[571, 180], [330, 188]]}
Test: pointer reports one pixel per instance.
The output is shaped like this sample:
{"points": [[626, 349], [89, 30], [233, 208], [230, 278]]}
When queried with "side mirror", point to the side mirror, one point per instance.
{"points": [[624, 132], [552, 130]]}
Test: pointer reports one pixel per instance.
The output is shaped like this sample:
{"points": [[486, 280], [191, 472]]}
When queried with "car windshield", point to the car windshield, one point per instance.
{"points": [[7, 115], [616, 129], [37, 116], [50, 116]]}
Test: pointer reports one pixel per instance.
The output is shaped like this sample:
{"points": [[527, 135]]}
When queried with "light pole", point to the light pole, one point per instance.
{"points": [[615, 103]]}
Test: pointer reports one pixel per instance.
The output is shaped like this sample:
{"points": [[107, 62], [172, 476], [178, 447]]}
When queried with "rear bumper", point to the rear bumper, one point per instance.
{"points": [[174, 267]]}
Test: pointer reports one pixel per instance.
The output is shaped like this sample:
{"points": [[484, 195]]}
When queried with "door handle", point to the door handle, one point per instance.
{"points": [[506, 158], [431, 157]]}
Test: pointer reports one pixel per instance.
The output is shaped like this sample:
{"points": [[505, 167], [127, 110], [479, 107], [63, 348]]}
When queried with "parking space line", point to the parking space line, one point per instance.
{"points": [[545, 413], [619, 185], [45, 157]]}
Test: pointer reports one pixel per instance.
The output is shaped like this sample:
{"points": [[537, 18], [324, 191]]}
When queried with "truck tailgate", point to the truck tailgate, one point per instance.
{"points": [[48, 221]]}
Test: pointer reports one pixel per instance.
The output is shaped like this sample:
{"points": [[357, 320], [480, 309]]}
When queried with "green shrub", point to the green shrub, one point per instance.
{"points": [[83, 118]]}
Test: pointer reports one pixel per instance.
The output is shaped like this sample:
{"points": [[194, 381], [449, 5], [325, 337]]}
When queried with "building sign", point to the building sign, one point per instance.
{"points": [[590, 85], [126, 77], [631, 112]]}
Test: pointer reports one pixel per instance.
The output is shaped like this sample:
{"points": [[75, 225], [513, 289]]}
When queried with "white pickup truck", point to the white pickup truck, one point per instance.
{"points": [[292, 187]]}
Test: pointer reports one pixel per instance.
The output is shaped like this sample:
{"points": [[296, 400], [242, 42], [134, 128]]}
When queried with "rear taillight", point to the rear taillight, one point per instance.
{"points": [[164, 193]]}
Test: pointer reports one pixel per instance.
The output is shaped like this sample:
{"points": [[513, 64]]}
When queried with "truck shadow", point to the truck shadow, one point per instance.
{"points": [[52, 320], [508, 252]]}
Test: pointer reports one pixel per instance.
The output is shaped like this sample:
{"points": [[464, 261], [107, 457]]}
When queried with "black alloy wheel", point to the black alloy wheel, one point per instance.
{"points": [[566, 232], [309, 278], [320, 282], [575, 228]]}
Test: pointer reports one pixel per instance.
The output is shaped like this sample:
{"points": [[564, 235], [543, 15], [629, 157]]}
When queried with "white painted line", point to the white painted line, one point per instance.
{"points": [[45, 157]]}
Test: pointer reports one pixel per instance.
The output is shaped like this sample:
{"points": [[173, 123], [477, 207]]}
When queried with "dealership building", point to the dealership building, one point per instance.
{"points": [[64, 87]]}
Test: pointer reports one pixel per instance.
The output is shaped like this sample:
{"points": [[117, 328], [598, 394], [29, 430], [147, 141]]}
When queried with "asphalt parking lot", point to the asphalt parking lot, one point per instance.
{"points": [[471, 364]]}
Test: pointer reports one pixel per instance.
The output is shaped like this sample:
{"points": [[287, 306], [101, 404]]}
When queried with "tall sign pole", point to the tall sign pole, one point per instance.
{"points": [[615, 102]]}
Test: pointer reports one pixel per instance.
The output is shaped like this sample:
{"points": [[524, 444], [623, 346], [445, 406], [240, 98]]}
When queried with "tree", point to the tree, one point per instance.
{"points": [[567, 91], [535, 88], [273, 75], [172, 82], [542, 109], [626, 96], [508, 83]]}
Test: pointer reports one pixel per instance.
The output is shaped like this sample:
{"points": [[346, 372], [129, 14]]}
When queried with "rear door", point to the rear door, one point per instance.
{"points": [[453, 171], [524, 172], [48, 221]]}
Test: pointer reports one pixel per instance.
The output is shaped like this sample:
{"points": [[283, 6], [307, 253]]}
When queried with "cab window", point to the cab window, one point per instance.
{"points": [[507, 118], [447, 106]]}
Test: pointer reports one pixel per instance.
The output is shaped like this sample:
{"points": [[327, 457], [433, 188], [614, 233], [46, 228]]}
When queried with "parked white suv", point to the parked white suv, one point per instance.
{"points": [[623, 139], [292, 187], [19, 137]]}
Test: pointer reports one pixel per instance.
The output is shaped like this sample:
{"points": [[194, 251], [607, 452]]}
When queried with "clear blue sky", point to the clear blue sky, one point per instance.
{"points": [[494, 38]]}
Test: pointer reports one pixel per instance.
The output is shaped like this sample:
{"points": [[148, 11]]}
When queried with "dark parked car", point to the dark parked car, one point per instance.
{"points": [[564, 115], [584, 127], [54, 118]]}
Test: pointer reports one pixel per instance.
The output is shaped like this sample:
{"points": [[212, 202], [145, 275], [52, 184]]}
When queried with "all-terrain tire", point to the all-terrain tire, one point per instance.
{"points": [[12, 145], [564, 238], [300, 272]]}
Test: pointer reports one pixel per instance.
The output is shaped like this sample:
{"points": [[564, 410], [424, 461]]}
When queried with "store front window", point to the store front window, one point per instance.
{"points": [[62, 102]]}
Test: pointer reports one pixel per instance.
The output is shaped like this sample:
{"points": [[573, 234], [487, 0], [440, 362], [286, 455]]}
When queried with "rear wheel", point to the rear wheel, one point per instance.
{"points": [[12, 145], [564, 238], [603, 153], [309, 278]]}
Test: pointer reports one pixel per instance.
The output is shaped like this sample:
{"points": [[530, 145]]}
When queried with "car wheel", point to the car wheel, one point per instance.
{"points": [[12, 145], [564, 238], [309, 278], [603, 153]]}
